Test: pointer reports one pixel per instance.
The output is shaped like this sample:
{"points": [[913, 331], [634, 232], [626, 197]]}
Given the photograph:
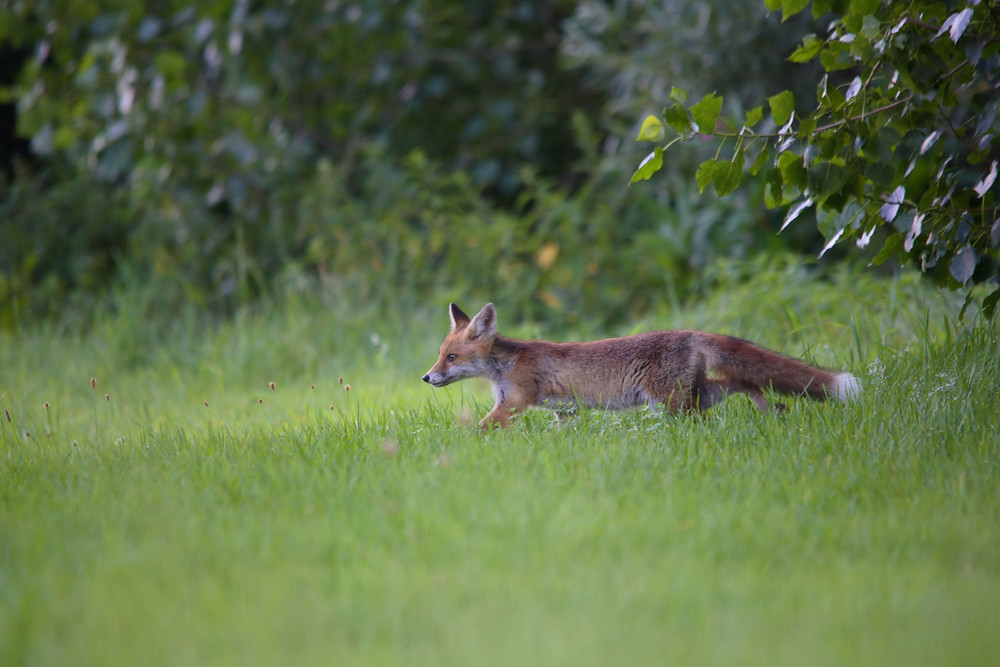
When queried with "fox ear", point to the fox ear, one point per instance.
{"points": [[459, 320], [484, 324]]}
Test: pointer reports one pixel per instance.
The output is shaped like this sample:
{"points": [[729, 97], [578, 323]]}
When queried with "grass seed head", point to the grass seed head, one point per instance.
{"points": [[107, 397], [6, 414], [270, 386], [260, 401], [47, 405], [93, 383]]}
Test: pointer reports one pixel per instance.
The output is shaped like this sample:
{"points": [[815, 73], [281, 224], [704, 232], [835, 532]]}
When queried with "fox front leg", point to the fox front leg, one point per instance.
{"points": [[507, 404], [496, 418]]}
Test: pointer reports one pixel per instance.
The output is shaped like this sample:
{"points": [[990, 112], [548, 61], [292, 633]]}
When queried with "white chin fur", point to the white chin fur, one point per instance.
{"points": [[846, 386]]}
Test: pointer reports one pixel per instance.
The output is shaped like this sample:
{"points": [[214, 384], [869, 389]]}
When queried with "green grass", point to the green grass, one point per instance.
{"points": [[374, 526]]}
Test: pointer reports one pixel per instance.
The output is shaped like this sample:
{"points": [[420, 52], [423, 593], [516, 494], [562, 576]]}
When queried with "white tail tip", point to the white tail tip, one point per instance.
{"points": [[845, 386]]}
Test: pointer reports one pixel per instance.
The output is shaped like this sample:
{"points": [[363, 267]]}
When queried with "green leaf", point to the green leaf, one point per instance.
{"points": [[990, 303], [652, 129], [889, 249], [811, 46], [824, 179], [870, 28], [830, 222], [649, 166], [821, 7], [726, 176], [782, 106], [754, 116], [706, 113], [965, 306], [837, 56], [833, 98], [790, 8], [704, 175], [863, 50], [679, 119], [793, 170], [761, 160], [886, 142], [772, 5], [678, 95], [773, 191], [880, 175], [864, 7], [807, 127]]}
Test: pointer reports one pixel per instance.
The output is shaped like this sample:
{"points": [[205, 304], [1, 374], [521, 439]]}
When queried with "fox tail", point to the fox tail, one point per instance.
{"points": [[744, 366]]}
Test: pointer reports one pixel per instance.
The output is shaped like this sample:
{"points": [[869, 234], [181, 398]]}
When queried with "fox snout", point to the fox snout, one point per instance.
{"points": [[436, 379], [441, 378]]}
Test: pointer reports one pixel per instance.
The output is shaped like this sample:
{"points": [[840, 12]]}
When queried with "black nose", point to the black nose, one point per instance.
{"points": [[427, 378]]}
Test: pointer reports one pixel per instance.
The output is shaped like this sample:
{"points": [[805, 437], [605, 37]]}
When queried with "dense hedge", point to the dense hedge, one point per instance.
{"points": [[223, 150]]}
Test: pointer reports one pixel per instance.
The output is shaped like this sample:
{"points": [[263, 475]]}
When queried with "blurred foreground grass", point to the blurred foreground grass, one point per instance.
{"points": [[310, 524]]}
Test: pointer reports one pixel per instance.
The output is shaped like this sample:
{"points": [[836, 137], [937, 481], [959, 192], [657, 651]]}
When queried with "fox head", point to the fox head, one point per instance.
{"points": [[465, 352]]}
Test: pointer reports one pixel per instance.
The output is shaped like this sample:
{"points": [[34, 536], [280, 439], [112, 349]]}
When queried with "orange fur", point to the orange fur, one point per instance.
{"points": [[680, 370]]}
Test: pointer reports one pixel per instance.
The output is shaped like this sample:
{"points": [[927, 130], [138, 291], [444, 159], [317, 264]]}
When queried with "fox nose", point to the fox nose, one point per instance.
{"points": [[427, 378]]}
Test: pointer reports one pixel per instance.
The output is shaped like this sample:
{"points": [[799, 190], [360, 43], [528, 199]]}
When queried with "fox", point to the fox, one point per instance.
{"points": [[679, 371]]}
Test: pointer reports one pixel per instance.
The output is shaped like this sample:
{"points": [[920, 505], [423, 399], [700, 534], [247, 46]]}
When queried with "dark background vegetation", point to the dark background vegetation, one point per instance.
{"points": [[217, 152]]}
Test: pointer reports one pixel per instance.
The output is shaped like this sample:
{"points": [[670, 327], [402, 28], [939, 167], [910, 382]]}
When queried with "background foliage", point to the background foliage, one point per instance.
{"points": [[222, 150], [903, 140]]}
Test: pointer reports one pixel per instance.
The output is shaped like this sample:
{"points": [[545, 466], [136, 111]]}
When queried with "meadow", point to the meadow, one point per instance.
{"points": [[163, 503]]}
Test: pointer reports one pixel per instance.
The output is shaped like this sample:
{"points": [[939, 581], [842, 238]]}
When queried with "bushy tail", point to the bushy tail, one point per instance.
{"points": [[845, 387], [745, 364]]}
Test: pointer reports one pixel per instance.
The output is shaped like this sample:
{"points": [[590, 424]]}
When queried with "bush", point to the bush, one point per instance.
{"points": [[903, 139], [224, 151], [50, 263]]}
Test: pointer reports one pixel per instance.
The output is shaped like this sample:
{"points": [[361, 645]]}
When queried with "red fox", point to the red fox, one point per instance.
{"points": [[679, 370]]}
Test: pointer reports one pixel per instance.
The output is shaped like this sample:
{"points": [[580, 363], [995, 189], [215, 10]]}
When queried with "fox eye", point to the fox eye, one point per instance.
{"points": [[452, 357]]}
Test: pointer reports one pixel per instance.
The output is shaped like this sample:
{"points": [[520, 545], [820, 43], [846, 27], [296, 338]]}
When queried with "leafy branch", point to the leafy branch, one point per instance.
{"points": [[906, 152]]}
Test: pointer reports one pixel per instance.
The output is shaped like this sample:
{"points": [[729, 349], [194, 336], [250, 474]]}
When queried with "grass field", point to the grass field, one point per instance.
{"points": [[183, 512]]}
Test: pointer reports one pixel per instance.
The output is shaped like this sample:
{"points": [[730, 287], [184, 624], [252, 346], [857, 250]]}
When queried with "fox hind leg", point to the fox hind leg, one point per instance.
{"points": [[712, 392], [694, 390], [677, 399], [678, 390]]}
